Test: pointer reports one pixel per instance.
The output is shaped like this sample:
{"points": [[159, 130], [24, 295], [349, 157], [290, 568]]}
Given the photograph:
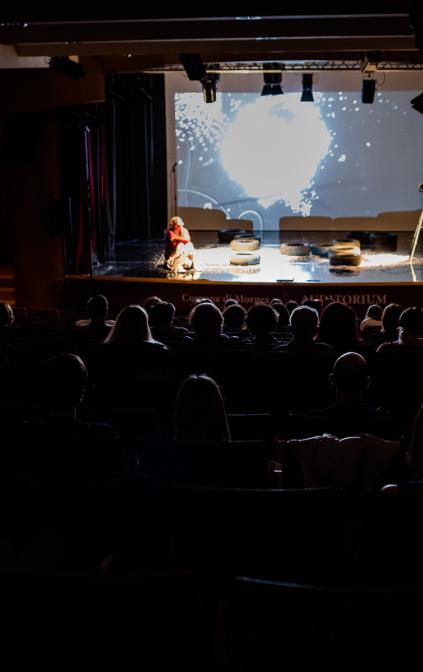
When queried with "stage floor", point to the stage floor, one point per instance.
{"points": [[144, 259]]}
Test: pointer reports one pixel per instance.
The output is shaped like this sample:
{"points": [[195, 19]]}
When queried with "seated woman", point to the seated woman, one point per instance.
{"points": [[179, 254]]}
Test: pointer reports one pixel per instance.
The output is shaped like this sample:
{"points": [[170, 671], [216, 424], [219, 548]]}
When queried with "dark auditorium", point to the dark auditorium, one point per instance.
{"points": [[211, 336]]}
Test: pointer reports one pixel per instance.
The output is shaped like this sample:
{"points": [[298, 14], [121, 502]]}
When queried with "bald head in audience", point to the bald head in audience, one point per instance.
{"points": [[350, 376]]}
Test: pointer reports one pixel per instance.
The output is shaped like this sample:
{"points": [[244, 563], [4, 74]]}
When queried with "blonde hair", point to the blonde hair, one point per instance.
{"points": [[176, 221]]}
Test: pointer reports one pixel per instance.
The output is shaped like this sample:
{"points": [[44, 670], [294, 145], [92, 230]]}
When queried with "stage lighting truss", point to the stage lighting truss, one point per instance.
{"points": [[314, 66], [296, 66]]}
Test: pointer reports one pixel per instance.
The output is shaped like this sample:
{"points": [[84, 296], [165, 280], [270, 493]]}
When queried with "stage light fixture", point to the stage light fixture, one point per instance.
{"points": [[276, 90], [272, 80], [307, 94], [268, 81], [417, 103], [266, 90], [209, 87], [67, 66], [368, 89]]}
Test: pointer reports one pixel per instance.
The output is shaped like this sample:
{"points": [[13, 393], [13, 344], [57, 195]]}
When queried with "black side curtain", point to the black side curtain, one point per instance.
{"points": [[137, 137], [114, 169]]}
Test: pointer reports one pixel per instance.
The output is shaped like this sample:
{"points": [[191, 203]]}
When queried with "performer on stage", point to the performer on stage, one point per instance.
{"points": [[179, 254]]}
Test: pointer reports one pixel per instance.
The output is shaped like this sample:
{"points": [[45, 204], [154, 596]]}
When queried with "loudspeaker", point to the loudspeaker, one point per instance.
{"points": [[60, 216], [193, 66]]}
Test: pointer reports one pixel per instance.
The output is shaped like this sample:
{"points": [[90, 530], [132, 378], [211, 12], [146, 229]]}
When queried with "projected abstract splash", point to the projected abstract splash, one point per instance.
{"points": [[265, 157]]}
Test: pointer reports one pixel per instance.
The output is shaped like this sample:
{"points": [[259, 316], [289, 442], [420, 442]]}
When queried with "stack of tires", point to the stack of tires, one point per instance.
{"points": [[345, 252], [244, 250]]}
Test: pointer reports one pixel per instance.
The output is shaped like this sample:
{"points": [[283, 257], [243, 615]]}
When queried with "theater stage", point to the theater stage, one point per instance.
{"points": [[138, 271]]}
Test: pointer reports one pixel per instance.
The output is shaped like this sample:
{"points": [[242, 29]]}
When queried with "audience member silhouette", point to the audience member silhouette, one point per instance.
{"points": [[291, 305], [373, 319], [7, 317], [283, 314], [97, 325], [304, 322], [132, 328], [262, 320], [129, 364], [230, 302], [326, 302], [150, 302], [162, 327], [207, 321], [350, 413], [200, 412], [410, 333], [61, 446], [6, 322], [390, 321], [338, 328], [234, 318], [313, 303]]}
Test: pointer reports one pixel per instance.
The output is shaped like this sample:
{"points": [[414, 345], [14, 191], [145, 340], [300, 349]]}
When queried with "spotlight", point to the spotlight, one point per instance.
{"points": [[276, 90], [268, 81], [368, 89], [272, 80], [307, 94], [209, 91], [266, 90], [417, 104], [209, 87], [66, 66]]}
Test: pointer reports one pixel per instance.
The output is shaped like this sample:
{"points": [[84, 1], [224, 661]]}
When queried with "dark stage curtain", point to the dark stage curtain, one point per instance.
{"points": [[114, 169], [90, 233], [137, 135]]}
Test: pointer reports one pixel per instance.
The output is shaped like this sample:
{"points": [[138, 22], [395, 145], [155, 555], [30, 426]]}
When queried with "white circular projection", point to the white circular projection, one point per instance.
{"points": [[273, 149]]}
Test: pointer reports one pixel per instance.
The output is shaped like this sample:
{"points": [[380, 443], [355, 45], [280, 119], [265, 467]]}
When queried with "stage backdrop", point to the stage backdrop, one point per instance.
{"points": [[264, 158]]}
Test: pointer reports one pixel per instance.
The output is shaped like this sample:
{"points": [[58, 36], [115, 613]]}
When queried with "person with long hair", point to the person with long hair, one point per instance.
{"points": [[179, 253], [338, 328], [132, 327], [200, 412]]}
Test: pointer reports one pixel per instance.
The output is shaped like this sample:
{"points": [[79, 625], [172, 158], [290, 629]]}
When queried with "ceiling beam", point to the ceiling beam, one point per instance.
{"points": [[209, 30], [213, 50]]}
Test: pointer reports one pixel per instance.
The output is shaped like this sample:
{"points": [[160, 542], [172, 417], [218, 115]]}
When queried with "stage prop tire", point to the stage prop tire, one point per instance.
{"points": [[382, 239], [227, 235], [245, 234], [345, 257], [345, 243], [320, 249], [295, 249], [245, 259], [245, 244]]}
